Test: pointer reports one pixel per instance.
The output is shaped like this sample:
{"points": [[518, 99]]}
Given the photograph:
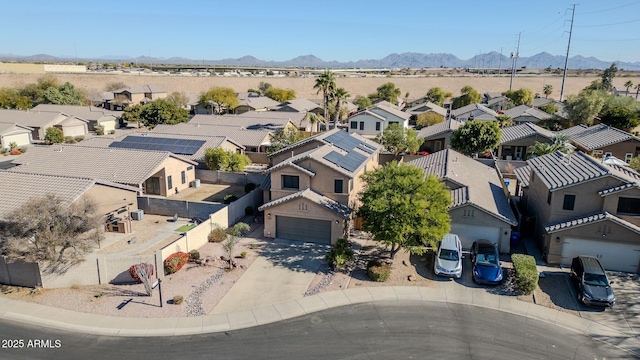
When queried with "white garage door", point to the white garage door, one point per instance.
{"points": [[19, 139], [613, 256], [108, 125], [470, 233], [73, 130]]}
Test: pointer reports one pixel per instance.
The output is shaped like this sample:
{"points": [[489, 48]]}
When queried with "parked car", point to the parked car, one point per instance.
{"points": [[449, 257], [594, 288], [486, 263]]}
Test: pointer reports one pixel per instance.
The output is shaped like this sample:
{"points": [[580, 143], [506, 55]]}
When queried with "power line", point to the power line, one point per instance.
{"points": [[611, 24], [609, 9]]}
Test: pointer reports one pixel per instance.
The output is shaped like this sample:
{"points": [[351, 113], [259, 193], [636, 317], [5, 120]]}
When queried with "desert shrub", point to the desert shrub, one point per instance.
{"points": [[78, 138], [13, 145], [15, 152], [341, 254], [217, 235], [177, 300], [4, 150], [99, 130], [378, 270], [23, 149], [229, 198], [175, 262], [194, 255], [134, 273], [249, 187], [248, 210], [243, 254], [69, 140], [526, 272]]}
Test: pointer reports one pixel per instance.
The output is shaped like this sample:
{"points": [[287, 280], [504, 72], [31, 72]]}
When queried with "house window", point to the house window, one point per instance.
{"points": [[468, 213], [629, 206], [608, 153], [183, 177], [378, 126], [354, 125], [169, 182], [337, 186], [549, 198], [290, 182], [361, 125], [569, 202], [628, 157]]}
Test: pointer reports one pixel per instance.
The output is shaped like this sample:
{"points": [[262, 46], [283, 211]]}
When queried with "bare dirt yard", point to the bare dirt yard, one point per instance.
{"points": [[303, 86], [210, 192]]}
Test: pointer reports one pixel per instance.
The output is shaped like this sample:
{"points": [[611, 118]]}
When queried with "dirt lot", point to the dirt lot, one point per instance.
{"points": [[415, 86]]}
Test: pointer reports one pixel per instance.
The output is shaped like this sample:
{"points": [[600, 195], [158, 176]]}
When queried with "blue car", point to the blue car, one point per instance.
{"points": [[486, 263]]}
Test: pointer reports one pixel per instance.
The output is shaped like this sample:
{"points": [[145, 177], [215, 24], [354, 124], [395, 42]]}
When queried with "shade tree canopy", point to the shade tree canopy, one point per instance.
{"points": [[219, 99], [469, 96], [476, 137], [397, 139]]}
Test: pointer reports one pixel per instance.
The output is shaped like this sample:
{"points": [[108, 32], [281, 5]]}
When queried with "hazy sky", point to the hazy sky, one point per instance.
{"points": [[339, 30]]}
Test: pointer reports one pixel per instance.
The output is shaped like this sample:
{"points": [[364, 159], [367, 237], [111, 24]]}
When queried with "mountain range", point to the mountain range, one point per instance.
{"points": [[405, 60]]}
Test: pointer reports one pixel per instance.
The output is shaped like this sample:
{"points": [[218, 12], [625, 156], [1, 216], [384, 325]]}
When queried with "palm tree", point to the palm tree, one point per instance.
{"points": [[340, 97], [313, 119], [547, 90], [628, 84], [560, 143], [326, 83], [637, 90]]}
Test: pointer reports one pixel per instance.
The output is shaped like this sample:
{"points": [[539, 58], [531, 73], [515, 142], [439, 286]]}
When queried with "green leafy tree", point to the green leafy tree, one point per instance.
{"points": [[621, 117], [403, 209], [628, 85], [550, 108], [469, 96], [283, 138], [10, 98], [133, 114], [225, 160], [53, 135], [635, 163], [560, 143], [362, 102], [178, 99], [326, 84], [547, 90], [428, 119], [476, 137], [263, 87], [280, 95], [504, 120], [437, 96], [66, 94], [340, 97], [520, 97], [220, 99], [230, 244], [115, 85], [314, 121], [388, 92], [397, 139], [583, 108], [607, 77], [162, 111]]}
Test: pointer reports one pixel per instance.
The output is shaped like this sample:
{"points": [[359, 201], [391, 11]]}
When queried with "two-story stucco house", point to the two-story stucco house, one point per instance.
{"points": [[525, 113], [313, 186], [579, 205], [372, 121]]}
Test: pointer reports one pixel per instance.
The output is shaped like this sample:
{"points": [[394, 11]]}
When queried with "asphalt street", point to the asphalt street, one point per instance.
{"points": [[381, 330]]}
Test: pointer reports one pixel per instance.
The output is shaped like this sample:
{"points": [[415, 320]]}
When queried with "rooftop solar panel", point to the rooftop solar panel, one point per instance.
{"points": [[176, 146]]}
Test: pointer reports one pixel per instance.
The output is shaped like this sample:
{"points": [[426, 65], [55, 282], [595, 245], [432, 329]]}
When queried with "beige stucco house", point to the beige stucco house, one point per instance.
{"points": [[374, 120], [152, 172], [437, 137], [579, 205], [14, 133], [524, 113], [271, 121], [134, 95], [40, 121], [480, 208], [516, 140], [313, 186], [602, 140], [250, 101], [477, 112], [109, 120]]}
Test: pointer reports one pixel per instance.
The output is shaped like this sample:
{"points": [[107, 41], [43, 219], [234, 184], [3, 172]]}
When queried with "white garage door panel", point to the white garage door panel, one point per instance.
{"points": [[613, 256], [19, 139], [108, 125], [73, 130], [470, 233]]}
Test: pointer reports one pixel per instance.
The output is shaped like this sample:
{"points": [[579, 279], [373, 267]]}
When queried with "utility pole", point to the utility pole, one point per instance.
{"points": [[515, 56], [500, 62], [566, 59]]}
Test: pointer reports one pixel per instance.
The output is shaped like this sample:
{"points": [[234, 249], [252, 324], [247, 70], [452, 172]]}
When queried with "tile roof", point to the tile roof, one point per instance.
{"points": [[459, 196], [291, 163], [615, 189], [84, 112], [337, 137], [367, 112], [439, 129], [31, 118], [271, 121], [124, 166], [142, 89], [497, 99], [391, 110], [258, 102], [11, 127], [484, 186], [475, 109], [574, 130], [24, 186], [558, 170], [521, 131], [526, 110], [589, 219], [330, 204], [523, 174], [247, 138], [300, 105], [428, 106], [598, 136]]}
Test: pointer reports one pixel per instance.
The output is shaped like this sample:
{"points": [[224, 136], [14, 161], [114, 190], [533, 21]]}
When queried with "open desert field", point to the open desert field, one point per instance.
{"points": [[416, 86]]}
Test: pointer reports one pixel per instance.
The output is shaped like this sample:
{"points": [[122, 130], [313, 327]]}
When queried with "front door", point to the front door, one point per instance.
{"points": [[518, 153]]}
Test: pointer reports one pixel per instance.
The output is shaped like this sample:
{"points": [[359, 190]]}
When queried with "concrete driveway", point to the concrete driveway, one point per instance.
{"points": [[283, 271]]}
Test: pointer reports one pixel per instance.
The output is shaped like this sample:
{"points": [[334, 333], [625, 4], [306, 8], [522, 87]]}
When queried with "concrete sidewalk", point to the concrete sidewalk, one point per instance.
{"points": [[116, 326]]}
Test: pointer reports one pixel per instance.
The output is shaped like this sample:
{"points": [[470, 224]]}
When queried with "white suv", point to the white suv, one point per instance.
{"points": [[449, 257]]}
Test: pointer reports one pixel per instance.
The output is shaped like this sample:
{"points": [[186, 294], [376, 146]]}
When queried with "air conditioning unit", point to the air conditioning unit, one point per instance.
{"points": [[195, 183], [137, 215]]}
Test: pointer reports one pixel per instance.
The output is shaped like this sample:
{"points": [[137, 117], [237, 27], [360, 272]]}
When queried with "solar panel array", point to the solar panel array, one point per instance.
{"points": [[346, 142], [351, 161], [176, 146]]}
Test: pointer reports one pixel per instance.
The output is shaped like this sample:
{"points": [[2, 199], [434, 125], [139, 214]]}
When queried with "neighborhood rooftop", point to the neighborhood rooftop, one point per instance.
{"points": [[84, 112], [439, 128], [248, 138], [558, 170], [337, 138], [598, 136], [253, 120], [521, 131], [332, 205]]}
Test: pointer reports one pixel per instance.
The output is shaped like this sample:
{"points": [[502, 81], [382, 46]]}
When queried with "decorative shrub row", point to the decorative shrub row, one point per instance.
{"points": [[341, 254], [134, 274], [378, 270], [526, 272], [175, 262]]}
